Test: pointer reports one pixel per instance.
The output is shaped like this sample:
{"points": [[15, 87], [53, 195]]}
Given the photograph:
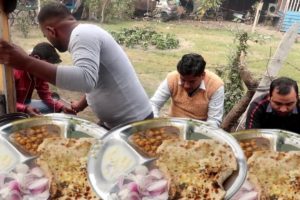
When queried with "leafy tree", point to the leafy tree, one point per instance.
{"points": [[108, 10], [205, 5]]}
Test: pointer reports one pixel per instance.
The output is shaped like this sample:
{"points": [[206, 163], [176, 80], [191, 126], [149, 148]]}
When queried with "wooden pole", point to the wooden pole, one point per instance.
{"points": [[7, 86], [257, 15]]}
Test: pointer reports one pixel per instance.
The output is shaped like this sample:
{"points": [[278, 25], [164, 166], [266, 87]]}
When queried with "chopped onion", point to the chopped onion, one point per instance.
{"points": [[246, 192], [247, 186], [156, 173], [158, 186], [37, 172], [38, 186], [42, 196], [143, 184], [133, 187], [134, 196], [24, 184], [14, 195], [21, 169], [250, 196], [14, 185], [163, 196], [141, 170]]}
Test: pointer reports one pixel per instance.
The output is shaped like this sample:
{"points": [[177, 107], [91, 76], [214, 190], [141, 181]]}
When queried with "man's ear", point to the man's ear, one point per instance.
{"points": [[203, 74], [50, 30], [36, 56]]}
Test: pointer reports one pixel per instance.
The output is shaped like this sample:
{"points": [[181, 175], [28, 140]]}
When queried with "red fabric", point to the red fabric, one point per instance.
{"points": [[25, 84]]}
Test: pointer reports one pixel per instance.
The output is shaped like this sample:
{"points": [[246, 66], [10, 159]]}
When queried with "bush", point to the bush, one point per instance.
{"points": [[145, 37]]}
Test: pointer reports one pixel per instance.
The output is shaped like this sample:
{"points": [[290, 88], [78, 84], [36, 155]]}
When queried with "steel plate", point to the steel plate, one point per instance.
{"points": [[189, 129], [70, 127], [280, 140]]}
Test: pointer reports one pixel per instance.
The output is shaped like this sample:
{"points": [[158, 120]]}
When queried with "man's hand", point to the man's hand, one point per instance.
{"points": [[68, 110], [32, 111], [12, 55], [77, 106]]}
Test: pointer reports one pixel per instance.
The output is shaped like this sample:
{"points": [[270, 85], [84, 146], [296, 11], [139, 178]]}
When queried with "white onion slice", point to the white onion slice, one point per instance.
{"points": [[141, 170], [158, 186], [143, 184], [37, 172], [22, 168], [22, 184], [38, 186], [156, 173]]}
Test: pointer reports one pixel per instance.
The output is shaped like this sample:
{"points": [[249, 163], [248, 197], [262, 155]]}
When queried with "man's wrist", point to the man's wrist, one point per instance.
{"points": [[26, 109]]}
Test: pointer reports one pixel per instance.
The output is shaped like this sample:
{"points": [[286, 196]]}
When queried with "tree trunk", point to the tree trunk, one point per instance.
{"points": [[106, 2], [231, 119]]}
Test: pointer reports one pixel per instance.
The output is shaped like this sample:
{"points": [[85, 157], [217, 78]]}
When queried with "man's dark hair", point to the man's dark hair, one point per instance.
{"points": [[191, 64], [53, 10], [47, 52], [284, 86]]}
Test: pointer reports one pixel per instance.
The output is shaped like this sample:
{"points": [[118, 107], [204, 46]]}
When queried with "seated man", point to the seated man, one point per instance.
{"points": [[277, 110], [195, 92], [25, 83]]}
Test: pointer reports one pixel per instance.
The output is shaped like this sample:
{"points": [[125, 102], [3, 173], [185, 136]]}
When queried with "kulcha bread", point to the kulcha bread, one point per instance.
{"points": [[275, 175], [196, 169], [64, 161]]}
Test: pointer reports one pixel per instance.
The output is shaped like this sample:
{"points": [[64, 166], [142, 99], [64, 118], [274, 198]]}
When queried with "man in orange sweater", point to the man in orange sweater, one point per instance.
{"points": [[195, 92]]}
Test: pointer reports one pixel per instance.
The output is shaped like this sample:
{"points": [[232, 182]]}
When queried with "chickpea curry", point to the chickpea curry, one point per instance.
{"points": [[149, 140], [29, 139], [254, 144]]}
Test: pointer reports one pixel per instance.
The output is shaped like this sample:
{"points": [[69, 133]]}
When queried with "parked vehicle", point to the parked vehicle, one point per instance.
{"points": [[243, 17], [214, 14], [166, 10]]}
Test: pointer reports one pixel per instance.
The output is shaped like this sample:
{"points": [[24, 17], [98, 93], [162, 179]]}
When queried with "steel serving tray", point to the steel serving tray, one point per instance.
{"points": [[70, 127], [77, 127], [189, 130], [280, 140]]}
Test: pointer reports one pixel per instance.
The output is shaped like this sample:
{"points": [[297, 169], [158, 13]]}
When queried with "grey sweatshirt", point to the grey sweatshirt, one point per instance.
{"points": [[103, 71]]}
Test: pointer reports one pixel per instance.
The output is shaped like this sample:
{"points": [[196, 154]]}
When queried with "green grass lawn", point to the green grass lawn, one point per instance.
{"points": [[214, 42]]}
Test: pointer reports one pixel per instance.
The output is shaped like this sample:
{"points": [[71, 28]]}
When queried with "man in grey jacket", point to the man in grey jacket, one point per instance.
{"points": [[101, 69]]}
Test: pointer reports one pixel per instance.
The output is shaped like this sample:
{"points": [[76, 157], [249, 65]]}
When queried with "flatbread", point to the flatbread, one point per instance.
{"points": [[275, 175], [64, 161], [196, 169]]}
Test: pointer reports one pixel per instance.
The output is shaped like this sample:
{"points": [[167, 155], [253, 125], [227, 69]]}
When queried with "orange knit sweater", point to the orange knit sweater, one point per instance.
{"points": [[196, 106]]}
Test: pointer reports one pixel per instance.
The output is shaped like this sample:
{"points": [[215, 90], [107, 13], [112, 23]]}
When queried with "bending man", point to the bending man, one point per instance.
{"points": [[101, 69], [195, 92], [279, 109]]}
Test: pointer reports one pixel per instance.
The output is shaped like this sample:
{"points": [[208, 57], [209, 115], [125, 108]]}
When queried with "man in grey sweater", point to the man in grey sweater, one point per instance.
{"points": [[101, 68]]}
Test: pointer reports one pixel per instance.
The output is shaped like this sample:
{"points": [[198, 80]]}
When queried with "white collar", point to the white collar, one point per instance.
{"points": [[201, 86]]}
